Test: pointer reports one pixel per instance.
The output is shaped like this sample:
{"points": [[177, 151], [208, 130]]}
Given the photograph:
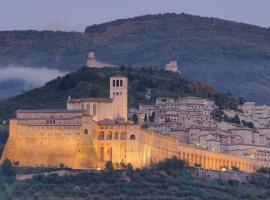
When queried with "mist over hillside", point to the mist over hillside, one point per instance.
{"points": [[17, 79], [233, 57]]}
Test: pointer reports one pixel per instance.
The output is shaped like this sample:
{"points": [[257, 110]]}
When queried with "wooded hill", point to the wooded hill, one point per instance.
{"points": [[233, 57], [93, 82]]}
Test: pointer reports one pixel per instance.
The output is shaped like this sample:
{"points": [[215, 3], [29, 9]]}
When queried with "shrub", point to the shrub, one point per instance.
{"points": [[109, 166], [7, 169]]}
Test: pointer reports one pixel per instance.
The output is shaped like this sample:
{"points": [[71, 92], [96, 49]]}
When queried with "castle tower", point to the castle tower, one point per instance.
{"points": [[93, 62], [90, 59], [119, 92], [172, 66]]}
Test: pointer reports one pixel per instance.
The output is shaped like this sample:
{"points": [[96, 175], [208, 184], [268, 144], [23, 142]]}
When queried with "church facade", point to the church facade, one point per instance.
{"points": [[92, 131]]}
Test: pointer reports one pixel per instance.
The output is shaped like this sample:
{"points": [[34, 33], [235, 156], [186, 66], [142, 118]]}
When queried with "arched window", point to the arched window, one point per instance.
{"points": [[85, 131], [116, 135], [109, 136], [101, 135], [110, 153], [132, 137], [123, 136]]}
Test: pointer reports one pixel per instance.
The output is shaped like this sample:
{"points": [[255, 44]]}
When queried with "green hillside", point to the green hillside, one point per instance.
{"points": [[168, 180], [93, 82], [233, 57]]}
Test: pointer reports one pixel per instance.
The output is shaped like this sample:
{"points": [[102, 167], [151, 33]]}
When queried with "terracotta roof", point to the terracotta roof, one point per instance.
{"points": [[111, 122], [106, 100], [118, 76], [50, 111]]}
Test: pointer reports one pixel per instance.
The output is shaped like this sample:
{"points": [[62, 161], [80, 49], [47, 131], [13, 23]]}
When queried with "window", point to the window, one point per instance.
{"points": [[85, 131], [121, 83], [109, 136], [94, 109], [82, 106], [101, 135], [113, 83], [132, 137], [116, 135], [117, 83], [88, 107], [123, 136]]}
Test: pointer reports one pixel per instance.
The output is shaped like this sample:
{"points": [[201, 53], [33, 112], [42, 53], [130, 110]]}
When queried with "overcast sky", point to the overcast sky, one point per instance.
{"points": [[75, 15]]}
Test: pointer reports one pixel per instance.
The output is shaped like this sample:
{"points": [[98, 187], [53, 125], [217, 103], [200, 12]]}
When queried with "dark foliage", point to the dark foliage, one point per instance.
{"points": [[7, 169], [166, 180], [91, 82]]}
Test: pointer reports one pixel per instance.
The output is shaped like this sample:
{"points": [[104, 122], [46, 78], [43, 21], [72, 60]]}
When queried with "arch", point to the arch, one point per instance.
{"points": [[110, 153], [101, 154], [116, 135], [101, 136], [123, 136], [132, 137], [85, 131], [239, 140], [109, 136]]}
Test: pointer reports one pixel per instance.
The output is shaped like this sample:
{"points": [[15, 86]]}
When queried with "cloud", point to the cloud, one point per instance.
{"points": [[31, 77]]}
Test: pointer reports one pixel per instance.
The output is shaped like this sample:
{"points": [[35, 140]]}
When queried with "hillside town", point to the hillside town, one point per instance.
{"points": [[244, 132], [191, 128]]}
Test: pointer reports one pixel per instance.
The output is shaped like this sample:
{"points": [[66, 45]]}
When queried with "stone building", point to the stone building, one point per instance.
{"points": [[172, 67], [92, 131], [93, 62]]}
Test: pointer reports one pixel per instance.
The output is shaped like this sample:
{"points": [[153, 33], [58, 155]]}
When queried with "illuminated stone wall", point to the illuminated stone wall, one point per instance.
{"points": [[51, 145], [91, 145]]}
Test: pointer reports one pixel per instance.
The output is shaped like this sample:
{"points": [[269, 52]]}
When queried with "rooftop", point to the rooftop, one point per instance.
{"points": [[50, 111], [106, 100]]}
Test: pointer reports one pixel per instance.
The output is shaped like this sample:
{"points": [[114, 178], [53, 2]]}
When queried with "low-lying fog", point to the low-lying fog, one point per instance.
{"points": [[29, 77]]}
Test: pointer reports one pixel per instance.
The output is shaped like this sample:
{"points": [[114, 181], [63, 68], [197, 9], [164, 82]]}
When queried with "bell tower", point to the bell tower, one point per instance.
{"points": [[119, 94]]}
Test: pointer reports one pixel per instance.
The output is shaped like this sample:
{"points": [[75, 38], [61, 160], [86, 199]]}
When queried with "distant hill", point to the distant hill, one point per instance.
{"points": [[233, 57], [94, 82]]}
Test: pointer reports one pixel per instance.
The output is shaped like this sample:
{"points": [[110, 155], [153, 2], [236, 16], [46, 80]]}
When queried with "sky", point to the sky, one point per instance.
{"points": [[75, 15]]}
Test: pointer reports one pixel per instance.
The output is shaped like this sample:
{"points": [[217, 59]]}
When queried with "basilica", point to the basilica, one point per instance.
{"points": [[92, 131]]}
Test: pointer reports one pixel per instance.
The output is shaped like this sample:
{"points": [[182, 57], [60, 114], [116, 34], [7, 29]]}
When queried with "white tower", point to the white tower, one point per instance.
{"points": [[119, 92], [90, 59]]}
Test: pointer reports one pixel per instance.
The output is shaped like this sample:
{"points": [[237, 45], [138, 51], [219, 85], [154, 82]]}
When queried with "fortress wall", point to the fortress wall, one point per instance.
{"points": [[50, 146], [214, 160], [111, 144], [156, 147], [89, 145]]}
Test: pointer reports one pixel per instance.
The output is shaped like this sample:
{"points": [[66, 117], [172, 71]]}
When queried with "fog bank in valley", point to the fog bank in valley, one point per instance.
{"points": [[28, 78]]}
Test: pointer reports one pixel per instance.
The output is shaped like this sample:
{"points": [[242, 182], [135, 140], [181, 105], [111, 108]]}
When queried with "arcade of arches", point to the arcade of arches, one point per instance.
{"points": [[143, 147]]}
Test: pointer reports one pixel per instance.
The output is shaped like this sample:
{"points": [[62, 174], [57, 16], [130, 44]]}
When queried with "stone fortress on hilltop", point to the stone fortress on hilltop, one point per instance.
{"points": [[92, 131], [172, 66], [93, 62]]}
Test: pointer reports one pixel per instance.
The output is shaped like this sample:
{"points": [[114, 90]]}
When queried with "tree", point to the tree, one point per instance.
{"points": [[145, 117], [109, 166], [135, 118], [236, 119], [123, 165], [7, 169], [152, 117], [234, 168]]}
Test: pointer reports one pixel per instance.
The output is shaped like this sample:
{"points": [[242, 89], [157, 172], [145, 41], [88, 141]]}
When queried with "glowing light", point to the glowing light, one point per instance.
{"points": [[98, 169], [223, 169]]}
